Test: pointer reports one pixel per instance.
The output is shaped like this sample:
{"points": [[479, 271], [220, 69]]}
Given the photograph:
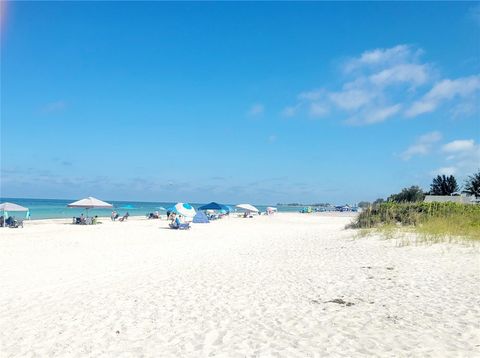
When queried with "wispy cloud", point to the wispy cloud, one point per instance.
{"points": [[53, 107], [464, 88], [256, 110], [444, 171], [383, 57], [380, 84], [462, 156], [422, 146], [374, 81], [460, 145]]}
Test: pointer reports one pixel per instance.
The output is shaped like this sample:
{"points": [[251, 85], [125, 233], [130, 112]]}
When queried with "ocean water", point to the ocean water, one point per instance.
{"points": [[57, 208]]}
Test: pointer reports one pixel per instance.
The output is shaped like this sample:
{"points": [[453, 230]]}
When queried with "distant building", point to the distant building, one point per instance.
{"points": [[460, 199]]}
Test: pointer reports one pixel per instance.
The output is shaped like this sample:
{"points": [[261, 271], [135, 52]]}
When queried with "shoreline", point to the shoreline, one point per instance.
{"points": [[137, 217]]}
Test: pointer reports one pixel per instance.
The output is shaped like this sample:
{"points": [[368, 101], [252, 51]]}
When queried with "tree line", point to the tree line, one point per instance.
{"points": [[441, 185]]}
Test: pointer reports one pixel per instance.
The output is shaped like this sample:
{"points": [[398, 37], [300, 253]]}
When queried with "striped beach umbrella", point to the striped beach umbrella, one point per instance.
{"points": [[184, 209]]}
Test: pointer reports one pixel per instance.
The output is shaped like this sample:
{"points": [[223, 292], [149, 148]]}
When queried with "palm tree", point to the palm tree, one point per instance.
{"points": [[472, 185], [443, 185]]}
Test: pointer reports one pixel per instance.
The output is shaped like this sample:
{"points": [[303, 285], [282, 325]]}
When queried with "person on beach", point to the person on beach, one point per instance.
{"points": [[113, 217]]}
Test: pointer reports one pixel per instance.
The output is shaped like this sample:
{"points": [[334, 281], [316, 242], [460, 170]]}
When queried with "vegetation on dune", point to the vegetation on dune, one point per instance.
{"points": [[407, 210], [437, 219], [410, 195]]}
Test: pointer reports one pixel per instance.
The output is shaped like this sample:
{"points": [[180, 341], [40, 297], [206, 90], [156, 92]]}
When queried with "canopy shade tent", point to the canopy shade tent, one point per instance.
{"points": [[6, 207], [12, 207], [184, 209], [247, 207], [214, 206], [90, 203]]}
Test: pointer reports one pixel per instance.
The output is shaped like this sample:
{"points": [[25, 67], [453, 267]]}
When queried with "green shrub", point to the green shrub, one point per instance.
{"points": [[429, 218]]}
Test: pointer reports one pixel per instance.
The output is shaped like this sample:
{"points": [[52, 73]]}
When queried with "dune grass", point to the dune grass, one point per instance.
{"points": [[432, 221]]}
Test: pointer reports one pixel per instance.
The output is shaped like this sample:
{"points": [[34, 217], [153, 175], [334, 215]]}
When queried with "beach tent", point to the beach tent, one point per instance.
{"points": [[90, 203], [247, 207], [214, 206], [200, 218], [6, 207], [184, 209]]}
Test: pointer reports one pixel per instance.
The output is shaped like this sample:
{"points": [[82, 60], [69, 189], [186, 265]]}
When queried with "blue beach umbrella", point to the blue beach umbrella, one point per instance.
{"points": [[184, 209], [213, 206]]}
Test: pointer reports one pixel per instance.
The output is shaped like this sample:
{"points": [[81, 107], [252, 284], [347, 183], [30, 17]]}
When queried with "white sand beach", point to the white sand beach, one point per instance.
{"points": [[260, 287]]}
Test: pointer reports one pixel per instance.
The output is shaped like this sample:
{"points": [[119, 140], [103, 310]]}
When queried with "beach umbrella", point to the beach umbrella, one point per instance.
{"points": [[12, 207], [213, 206], [247, 207], [161, 208], [90, 203], [6, 207], [184, 209]]}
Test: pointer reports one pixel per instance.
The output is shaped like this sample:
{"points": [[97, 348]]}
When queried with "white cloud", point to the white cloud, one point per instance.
{"points": [[256, 110], [382, 57], [318, 109], [405, 73], [374, 80], [462, 156], [445, 90], [351, 99], [56, 106], [381, 114], [312, 95], [289, 111], [444, 171], [383, 83], [461, 145], [422, 146]]}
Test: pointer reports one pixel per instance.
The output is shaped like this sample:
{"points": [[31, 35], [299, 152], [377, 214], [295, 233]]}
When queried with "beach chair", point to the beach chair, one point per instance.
{"points": [[16, 223], [185, 226]]}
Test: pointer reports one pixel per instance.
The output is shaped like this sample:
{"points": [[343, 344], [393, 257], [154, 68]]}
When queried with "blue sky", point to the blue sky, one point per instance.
{"points": [[254, 102]]}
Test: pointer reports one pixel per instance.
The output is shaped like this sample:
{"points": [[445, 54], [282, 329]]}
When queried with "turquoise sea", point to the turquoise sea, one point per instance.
{"points": [[57, 208]]}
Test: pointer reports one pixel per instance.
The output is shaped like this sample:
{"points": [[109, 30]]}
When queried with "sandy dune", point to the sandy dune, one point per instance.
{"points": [[259, 287]]}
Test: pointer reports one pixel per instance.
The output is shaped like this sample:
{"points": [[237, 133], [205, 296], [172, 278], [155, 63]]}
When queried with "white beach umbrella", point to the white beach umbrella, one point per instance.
{"points": [[184, 209], [271, 208], [90, 203], [12, 207], [247, 207]]}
